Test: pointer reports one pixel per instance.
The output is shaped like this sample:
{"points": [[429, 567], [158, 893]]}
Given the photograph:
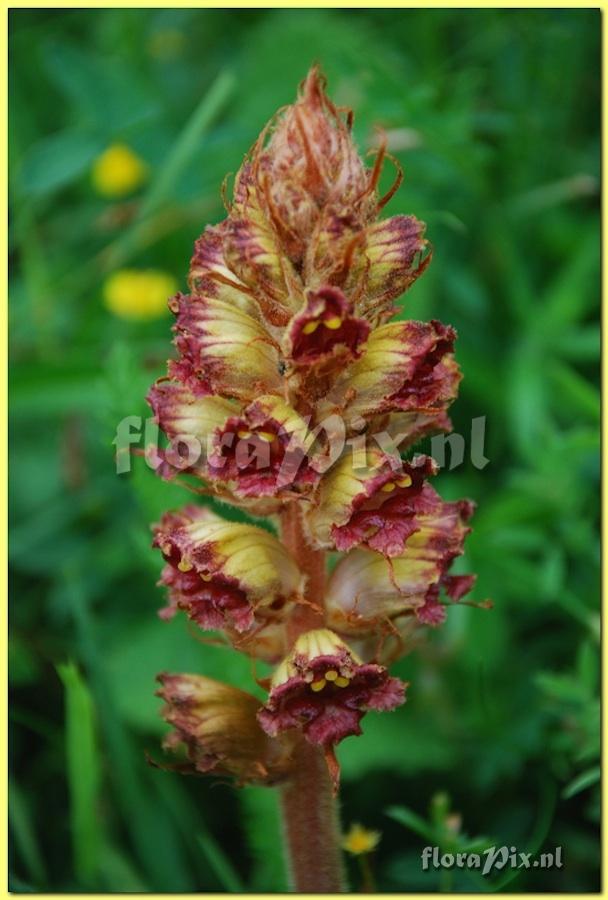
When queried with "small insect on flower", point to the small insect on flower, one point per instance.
{"points": [[118, 171], [359, 840], [138, 294]]}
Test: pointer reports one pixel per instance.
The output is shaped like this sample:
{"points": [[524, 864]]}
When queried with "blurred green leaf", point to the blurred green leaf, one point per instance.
{"points": [[57, 160], [412, 821], [83, 772], [24, 835], [586, 779], [220, 864], [262, 825]]}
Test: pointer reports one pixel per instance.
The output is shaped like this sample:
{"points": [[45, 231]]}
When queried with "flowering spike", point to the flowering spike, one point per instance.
{"points": [[289, 378]]}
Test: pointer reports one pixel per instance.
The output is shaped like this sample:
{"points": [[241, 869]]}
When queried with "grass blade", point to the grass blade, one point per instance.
{"points": [[83, 771], [181, 153], [219, 863]]}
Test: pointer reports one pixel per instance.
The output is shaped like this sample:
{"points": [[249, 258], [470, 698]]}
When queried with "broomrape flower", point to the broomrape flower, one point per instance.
{"points": [[118, 171], [323, 689], [282, 344], [224, 574], [215, 725]]}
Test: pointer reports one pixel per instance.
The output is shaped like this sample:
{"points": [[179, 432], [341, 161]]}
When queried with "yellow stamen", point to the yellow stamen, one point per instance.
{"points": [[267, 436], [310, 327], [184, 566], [206, 577], [405, 481], [331, 675], [388, 487], [318, 685], [341, 681], [333, 323], [244, 434]]}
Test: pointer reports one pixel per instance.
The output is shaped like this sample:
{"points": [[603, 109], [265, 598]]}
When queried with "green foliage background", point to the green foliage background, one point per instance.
{"points": [[502, 109]]}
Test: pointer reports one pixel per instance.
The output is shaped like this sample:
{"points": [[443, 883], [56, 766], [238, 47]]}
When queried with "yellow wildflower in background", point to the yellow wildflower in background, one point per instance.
{"points": [[359, 840], [139, 293], [118, 171]]}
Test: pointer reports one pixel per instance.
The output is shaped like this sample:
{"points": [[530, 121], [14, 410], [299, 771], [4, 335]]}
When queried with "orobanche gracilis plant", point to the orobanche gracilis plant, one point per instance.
{"points": [[296, 388]]}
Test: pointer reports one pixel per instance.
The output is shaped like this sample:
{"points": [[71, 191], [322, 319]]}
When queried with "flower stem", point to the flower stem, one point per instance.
{"points": [[311, 825]]}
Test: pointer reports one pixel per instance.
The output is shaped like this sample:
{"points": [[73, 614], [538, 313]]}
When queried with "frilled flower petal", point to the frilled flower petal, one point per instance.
{"points": [[189, 422], [224, 574], [223, 350], [365, 589], [373, 507], [178, 411], [216, 726], [324, 690], [405, 366], [262, 451], [390, 258], [211, 276], [325, 327], [309, 164]]}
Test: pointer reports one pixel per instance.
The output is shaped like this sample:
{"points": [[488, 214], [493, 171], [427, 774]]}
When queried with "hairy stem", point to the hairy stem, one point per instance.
{"points": [[311, 825]]}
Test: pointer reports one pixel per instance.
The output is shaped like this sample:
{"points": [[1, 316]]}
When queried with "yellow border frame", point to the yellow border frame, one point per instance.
{"points": [[353, 4]]}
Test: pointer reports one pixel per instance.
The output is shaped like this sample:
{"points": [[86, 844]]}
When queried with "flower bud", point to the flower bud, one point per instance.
{"points": [[224, 574], [390, 258], [210, 275], [217, 727], [310, 164], [375, 507], [366, 591], [253, 250], [324, 690]]}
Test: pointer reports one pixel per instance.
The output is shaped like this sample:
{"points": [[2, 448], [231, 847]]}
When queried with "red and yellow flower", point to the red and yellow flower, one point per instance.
{"points": [[283, 334]]}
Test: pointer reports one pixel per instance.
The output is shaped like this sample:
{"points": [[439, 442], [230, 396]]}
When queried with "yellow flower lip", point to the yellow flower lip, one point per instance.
{"points": [[388, 487], [311, 327], [184, 565], [267, 436], [404, 482], [332, 323]]}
